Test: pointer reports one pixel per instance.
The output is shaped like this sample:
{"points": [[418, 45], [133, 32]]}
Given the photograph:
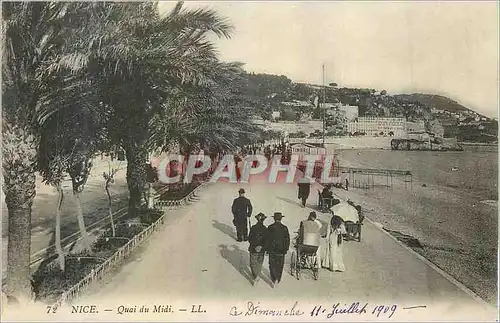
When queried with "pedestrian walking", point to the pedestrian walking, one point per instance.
{"points": [[333, 257], [346, 184], [304, 190], [237, 166], [258, 240], [277, 247], [242, 210]]}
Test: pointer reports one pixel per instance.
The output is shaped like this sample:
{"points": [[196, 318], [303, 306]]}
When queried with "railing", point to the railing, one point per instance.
{"points": [[99, 272], [162, 204], [68, 241]]}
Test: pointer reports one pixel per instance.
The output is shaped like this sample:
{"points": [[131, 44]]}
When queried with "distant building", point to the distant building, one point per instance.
{"points": [[276, 115], [417, 126], [351, 111], [296, 104], [347, 112], [372, 126], [437, 111], [420, 136], [258, 121], [294, 127], [327, 106]]}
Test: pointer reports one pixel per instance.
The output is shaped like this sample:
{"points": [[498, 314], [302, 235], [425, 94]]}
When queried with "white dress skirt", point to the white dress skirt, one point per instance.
{"points": [[332, 253]]}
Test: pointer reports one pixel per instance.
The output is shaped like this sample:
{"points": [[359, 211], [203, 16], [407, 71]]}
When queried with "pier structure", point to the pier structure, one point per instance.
{"points": [[369, 174]]}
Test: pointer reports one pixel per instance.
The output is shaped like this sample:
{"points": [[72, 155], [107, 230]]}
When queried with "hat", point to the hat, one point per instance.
{"points": [[241, 191], [313, 215], [278, 215], [260, 216]]}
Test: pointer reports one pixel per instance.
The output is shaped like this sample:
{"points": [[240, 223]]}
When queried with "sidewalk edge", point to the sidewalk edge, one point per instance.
{"points": [[435, 268]]}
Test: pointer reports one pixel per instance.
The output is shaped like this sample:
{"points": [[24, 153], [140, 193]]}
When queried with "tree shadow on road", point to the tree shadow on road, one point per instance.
{"points": [[224, 228], [238, 258]]}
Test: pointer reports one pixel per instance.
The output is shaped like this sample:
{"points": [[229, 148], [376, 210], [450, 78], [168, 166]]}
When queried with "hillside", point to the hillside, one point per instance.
{"points": [[265, 92], [435, 101]]}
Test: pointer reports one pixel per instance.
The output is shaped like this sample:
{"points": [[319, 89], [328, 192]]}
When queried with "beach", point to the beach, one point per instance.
{"points": [[452, 213]]}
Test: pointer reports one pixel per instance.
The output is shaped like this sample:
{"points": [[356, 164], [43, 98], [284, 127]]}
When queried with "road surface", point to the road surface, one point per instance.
{"points": [[194, 259]]}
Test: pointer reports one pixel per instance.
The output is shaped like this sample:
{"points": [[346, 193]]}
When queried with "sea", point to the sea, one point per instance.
{"points": [[475, 169]]}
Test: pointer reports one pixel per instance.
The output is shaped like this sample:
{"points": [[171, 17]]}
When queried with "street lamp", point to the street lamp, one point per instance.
{"points": [[324, 106], [333, 85]]}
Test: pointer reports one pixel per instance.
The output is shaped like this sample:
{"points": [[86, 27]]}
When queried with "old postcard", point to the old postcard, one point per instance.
{"points": [[249, 161]]}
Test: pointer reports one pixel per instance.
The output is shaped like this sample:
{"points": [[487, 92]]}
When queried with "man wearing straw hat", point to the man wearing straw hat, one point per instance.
{"points": [[277, 247], [257, 240]]}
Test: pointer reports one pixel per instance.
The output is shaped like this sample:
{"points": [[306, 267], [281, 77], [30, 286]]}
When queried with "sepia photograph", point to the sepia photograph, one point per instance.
{"points": [[226, 161]]}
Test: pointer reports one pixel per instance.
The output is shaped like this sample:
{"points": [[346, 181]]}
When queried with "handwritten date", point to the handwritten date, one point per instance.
{"points": [[355, 308]]}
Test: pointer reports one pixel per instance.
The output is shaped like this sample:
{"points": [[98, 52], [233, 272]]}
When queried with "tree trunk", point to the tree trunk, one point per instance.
{"points": [[110, 211], [19, 160], [59, 249], [136, 175], [85, 242], [79, 173]]}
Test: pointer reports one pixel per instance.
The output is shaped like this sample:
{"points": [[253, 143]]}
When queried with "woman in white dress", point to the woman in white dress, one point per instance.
{"points": [[332, 257]]}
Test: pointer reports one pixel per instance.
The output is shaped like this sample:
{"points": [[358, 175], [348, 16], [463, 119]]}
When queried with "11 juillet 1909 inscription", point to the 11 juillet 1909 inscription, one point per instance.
{"points": [[318, 311]]}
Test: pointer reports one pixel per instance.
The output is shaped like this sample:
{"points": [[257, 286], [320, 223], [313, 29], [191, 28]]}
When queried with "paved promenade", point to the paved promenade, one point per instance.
{"points": [[194, 259]]}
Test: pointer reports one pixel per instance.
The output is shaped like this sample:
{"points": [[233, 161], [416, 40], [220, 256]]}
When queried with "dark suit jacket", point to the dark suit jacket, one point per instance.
{"points": [[304, 190], [279, 239], [258, 237], [241, 208]]}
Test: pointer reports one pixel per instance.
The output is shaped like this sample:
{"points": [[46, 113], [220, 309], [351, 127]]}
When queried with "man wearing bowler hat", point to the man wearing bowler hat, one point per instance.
{"points": [[242, 210], [277, 247], [257, 240]]}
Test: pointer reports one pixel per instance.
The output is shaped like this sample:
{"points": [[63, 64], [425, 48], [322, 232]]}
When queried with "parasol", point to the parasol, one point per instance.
{"points": [[346, 212]]}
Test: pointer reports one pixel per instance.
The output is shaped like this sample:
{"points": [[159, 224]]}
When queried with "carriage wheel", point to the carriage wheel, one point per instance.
{"points": [[315, 269], [293, 263], [297, 266]]}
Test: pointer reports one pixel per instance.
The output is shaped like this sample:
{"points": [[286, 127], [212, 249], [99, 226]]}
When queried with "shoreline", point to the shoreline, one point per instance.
{"points": [[434, 221], [478, 144]]}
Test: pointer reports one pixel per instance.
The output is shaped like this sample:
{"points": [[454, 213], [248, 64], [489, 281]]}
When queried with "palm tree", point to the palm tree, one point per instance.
{"points": [[155, 55], [213, 116], [38, 39]]}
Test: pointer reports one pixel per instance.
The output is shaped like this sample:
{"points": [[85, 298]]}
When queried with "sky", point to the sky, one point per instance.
{"points": [[447, 48]]}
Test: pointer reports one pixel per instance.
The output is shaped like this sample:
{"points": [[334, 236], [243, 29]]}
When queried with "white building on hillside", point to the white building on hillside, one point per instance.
{"points": [[417, 126], [294, 127], [296, 104], [351, 111], [327, 106], [373, 126]]}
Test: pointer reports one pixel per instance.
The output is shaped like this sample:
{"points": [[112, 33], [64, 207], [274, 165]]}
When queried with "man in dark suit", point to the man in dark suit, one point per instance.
{"points": [[277, 247], [304, 189], [258, 241], [242, 210]]}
